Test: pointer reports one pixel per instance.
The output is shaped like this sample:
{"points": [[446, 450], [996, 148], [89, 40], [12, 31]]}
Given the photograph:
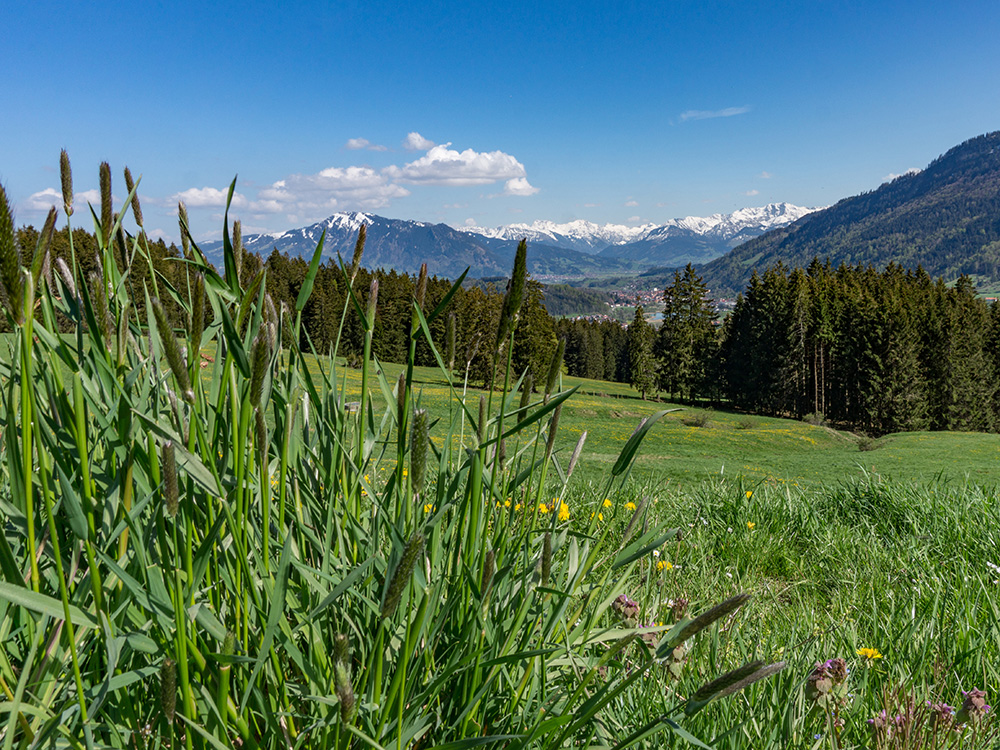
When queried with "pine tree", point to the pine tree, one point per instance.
{"points": [[642, 365]]}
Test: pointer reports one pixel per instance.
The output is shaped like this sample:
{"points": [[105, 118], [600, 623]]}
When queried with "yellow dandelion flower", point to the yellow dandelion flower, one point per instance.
{"points": [[600, 516], [749, 494], [664, 565], [506, 503], [607, 503], [629, 505], [517, 507], [750, 525], [543, 508], [870, 654], [563, 512], [428, 507]]}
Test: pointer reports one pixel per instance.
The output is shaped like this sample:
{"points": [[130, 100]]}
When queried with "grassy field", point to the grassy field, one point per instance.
{"points": [[759, 450], [232, 554]]}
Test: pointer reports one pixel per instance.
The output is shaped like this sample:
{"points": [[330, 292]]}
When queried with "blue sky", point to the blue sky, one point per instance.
{"points": [[489, 113]]}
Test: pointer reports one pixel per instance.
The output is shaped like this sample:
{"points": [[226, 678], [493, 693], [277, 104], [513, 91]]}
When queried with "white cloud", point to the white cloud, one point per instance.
{"points": [[591, 205], [43, 200], [208, 197], [765, 175], [633, 219], [332, 189], [416, 142], [631, 203], [445, 166], [752, 192], [356, 144], [519, 186], [705, 114]]}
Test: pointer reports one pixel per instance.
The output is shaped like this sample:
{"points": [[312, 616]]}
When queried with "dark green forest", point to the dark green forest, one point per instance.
{"points": [[875, 351]]}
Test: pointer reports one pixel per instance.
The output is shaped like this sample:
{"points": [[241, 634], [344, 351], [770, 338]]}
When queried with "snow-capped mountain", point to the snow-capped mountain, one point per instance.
{"points": [[584, 236], [575, 249], [614, 240]]}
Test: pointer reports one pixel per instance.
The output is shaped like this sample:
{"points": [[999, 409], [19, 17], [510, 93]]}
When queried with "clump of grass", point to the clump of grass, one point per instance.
{"points": [[231, 557]]}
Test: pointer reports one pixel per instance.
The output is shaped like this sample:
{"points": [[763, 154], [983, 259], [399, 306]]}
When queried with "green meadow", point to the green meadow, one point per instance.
{"points": [[260, 548], [758, 450]]}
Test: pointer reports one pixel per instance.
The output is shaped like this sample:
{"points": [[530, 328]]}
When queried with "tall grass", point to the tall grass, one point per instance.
{"points": [[229, 556]]}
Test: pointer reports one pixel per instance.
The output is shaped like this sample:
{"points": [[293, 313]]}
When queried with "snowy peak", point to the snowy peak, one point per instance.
{"points": [[589, 237], [585, 236]]}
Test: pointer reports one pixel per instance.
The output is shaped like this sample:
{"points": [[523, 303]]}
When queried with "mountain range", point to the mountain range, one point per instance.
{"points": [[555, 251]]}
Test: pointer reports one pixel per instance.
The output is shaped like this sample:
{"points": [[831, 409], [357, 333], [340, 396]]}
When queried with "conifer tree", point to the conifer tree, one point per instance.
{"points": [[642, 365]]}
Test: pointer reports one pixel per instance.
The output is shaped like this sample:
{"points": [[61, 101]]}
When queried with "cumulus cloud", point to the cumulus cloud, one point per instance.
{"points": [[519, 186], [207, 197], [416, 142], [633, 219], [708, 114], [356, 144], [630, 202], [752, 192], [332, 189], [442, 165], [43, 200], [765, 175]]}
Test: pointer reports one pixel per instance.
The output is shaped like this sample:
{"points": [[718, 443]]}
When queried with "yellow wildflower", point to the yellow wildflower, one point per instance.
{"points": [[870, 654], [563, 512], [517, 507], [607, 503], [664, 565], [428, 507], [750, 525], [506, 503], [749, 494], [629, 505], [543, 508]]}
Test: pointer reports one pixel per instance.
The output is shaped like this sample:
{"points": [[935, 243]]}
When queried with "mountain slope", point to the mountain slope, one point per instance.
{"points": [[945, 218]]}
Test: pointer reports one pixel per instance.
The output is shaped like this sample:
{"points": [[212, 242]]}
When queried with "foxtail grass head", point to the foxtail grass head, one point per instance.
{"points": [[168, 464], [168, 688], [402, 574], [359, 250], [136, 208], [107, 207], [555, 368], [185, 229], [172, 350], [514, 297], [419, 437], [66, 179]]}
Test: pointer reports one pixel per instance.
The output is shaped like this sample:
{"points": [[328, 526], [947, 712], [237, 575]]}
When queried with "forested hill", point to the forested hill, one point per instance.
{"points": [[945, 218]]}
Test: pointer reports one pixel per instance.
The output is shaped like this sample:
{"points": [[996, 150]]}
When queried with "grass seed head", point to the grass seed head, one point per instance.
{"points": [[576, 454], [761, 674], [707, 691], [489, 569], [185, 229], [107, 210], [66, 178], [172, 350], [555, 367], [526, 389], [196, 327], [450, 338], [546, 558], [372, 300], [98, 294], [401, 399], [67, 277], [359, 250], [238, 250], [168, 688], [419, 438], [705, 619], [421, 291], [401, 575], [168, 463], [259, 358], [130, 186]]}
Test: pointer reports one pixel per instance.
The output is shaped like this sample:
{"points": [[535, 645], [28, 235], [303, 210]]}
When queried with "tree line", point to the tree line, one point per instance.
{"points": [[875, 351]]}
